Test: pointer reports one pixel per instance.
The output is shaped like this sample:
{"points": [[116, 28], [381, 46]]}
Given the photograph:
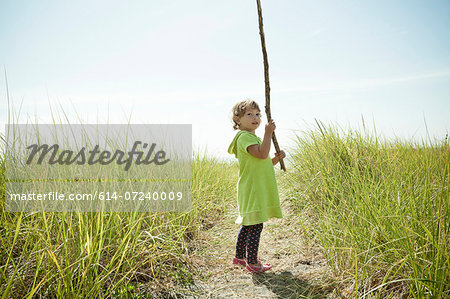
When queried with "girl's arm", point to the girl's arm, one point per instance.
{"points": [[262, 151]]}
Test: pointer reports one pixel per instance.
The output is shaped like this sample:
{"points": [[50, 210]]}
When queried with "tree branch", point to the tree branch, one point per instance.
{"points": [[266, 79]]}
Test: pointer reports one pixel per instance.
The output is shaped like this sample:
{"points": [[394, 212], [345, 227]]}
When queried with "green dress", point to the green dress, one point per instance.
{"points": [[258, 198]]}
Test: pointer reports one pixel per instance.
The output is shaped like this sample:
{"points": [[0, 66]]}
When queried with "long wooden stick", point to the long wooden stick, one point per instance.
{"points": [[266, 79]]}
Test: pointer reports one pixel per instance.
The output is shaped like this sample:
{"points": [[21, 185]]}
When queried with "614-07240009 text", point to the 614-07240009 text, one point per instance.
{"points": [[128, 195]]}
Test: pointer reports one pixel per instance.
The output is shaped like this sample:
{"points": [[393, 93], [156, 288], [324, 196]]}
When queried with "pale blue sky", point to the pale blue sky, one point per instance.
{"points": [[190, 61]]}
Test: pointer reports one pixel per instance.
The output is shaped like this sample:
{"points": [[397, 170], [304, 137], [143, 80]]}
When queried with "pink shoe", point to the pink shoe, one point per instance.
{"points": [[258, 269], [237, 261]]}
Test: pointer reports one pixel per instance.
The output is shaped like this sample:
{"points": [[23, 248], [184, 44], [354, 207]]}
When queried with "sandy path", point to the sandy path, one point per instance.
{"points": [[299, 270]]}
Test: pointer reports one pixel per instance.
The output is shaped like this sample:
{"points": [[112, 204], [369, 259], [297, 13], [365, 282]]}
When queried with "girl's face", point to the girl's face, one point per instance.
{"points": [[250, 121]]}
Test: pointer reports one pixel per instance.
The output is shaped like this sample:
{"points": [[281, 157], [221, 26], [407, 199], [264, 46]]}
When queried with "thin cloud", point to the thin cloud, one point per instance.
{"points": [[316, 32], [365, 83]]}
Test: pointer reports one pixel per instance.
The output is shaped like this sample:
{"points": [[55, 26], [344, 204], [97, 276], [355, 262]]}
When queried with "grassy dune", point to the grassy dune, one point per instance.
{"points": [[380, 210], [89, 254]]}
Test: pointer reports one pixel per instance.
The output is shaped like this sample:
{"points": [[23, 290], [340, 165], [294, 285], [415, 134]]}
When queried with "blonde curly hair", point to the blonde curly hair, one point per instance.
{"points": [[239, 109]]}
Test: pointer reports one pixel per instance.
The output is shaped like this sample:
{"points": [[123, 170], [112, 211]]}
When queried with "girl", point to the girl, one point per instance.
{"points": [[258, 198]]}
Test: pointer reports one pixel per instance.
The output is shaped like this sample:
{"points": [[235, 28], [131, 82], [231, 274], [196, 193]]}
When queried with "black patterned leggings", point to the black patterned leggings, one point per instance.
{"points": [[248, 240]]}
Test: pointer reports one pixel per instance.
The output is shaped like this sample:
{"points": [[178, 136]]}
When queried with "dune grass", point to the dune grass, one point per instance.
{"points": [[92, 254], [380, 209]]}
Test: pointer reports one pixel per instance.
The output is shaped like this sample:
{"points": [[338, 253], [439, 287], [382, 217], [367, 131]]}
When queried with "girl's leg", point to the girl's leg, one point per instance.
{"points": [[241, 242], [253, 237]]}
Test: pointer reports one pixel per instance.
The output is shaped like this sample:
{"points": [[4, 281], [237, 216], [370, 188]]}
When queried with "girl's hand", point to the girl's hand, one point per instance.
{"points": [[280, 155], [270, 127]]}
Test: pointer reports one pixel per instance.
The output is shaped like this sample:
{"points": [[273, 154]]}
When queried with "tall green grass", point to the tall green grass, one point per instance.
{"points": [[92, 254], [380, 209]]}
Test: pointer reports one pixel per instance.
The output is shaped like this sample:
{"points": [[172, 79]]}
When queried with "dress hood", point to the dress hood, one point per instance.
{"points": [[232, 149]]}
